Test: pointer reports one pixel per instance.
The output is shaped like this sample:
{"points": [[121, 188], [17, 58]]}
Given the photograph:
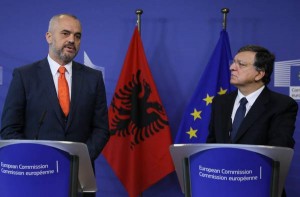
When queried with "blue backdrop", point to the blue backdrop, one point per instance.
{"points": [[179, 37]]}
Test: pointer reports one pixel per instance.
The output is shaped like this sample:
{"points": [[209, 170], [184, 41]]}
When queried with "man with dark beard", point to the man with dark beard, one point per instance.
{"points": [[35, 108]]}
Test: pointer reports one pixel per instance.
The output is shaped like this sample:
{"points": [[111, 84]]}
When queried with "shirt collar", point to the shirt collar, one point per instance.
{"points": [[54, 66], [251, 97]]}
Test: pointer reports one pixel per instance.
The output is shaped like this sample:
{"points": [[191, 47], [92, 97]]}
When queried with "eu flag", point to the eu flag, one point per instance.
{"points": [[215, 80]]}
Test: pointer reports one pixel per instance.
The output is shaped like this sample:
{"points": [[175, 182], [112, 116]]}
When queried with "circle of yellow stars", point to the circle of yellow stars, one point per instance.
{"points": [[197, 114]]}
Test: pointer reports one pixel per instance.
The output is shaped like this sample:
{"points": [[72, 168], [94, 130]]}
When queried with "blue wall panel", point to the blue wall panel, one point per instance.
{"points": [[178, 38]]}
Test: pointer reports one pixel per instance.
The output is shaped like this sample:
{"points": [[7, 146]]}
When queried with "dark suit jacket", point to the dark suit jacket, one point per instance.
{"points": [[270, 121], [32, 110]]}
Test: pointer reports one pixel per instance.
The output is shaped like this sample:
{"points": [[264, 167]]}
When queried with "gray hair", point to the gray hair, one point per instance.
{"points": [[56, 17]]}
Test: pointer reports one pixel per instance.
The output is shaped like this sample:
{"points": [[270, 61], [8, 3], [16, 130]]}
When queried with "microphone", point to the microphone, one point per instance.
{"points": [[229, 127], [41, 121]]}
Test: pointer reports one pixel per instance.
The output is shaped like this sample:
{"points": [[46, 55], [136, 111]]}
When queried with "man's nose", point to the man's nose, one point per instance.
{"points": [[232, 66], [71, 38]]}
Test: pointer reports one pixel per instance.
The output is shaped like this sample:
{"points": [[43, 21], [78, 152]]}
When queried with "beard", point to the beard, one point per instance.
{"points": [[64, 56]]}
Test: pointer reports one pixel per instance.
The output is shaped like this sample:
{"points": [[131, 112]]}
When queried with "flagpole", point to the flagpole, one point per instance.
{"points": [[225, 11], [139, 13]]}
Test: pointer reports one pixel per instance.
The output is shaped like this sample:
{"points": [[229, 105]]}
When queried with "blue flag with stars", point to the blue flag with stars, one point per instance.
{"points": [[215, 80]]}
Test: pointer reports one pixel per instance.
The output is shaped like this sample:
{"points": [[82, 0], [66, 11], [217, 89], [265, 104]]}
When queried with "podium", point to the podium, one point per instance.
{"points": [[45, 168], [231, 169]]}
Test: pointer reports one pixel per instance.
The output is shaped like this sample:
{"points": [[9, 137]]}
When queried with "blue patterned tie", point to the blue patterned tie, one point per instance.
{"points": [[238, 118]]}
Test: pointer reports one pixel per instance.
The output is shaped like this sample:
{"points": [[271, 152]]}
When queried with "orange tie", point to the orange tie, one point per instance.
{"points": [[63, 91]]}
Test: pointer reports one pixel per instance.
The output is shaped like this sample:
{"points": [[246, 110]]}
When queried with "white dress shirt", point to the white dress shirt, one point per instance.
{"points": [[55, 74], [250, 98]]}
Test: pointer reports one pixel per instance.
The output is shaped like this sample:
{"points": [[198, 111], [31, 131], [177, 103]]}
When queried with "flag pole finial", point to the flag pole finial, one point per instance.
{"points": [[225, 11], [139, 12]]}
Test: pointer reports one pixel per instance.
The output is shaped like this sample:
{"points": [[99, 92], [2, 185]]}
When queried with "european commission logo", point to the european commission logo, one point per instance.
{"points": [[287, 74]]}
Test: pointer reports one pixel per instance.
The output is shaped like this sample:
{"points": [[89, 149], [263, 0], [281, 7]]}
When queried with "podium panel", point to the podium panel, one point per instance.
{"points": [[281, 156], [40, 159], [35, 170], [231, 171]]}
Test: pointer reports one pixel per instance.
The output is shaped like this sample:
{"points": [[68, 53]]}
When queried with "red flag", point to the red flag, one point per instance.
{"points": [[138, 150]]}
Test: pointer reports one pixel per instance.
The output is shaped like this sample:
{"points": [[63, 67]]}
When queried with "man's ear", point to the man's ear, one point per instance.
{"points": [[49, 37], [260, 75]]}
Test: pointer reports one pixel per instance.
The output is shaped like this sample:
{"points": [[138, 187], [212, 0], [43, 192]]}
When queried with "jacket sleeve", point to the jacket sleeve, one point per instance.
{"points": [[100, 133], [14, 109]]}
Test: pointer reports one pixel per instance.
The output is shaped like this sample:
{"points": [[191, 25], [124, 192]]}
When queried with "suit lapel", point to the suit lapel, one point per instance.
{"points": [[76, 89], [228, 106], [256, 110], [46, 79]]}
